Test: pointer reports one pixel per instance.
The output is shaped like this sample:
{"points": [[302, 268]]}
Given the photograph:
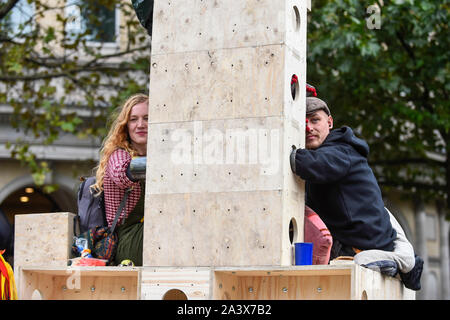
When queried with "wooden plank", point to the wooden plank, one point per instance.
{"points": [[226, 286], [295, 288], [84, 270], [98, 288], [285, 283], [372, 285], [193, 283], [276, 271]]}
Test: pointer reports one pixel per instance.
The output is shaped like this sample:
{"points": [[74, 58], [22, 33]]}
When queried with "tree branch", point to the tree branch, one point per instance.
{"points": [[56, 62], [87, 67], [43, 76], [406, 46], [9, 40], [5, 9], [118, 54]]}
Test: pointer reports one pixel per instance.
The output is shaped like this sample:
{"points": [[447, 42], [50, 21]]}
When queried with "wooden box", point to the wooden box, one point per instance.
{"points": [[43, 238], [321, 282], [79, 283]]}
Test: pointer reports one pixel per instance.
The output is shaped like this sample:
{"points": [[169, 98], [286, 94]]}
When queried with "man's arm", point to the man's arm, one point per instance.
{"points": [[324, 165]]}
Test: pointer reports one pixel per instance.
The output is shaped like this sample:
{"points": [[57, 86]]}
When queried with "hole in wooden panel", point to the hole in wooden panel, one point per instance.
{"points": [[175, 294], [293, 230], [294, 87], [296, 19], [364, 295], [226, 296], [36, 295]]}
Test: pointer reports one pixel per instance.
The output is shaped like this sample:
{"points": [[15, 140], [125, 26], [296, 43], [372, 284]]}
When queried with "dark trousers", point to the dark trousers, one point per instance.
{"points": [[339, 249]]}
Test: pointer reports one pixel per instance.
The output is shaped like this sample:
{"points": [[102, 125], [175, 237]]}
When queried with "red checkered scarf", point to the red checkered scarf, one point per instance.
{"points": [[115, 182]]}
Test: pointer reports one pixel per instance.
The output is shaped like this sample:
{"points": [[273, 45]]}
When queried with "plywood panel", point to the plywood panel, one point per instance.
{"points": [[372, 285], [277, 271], [243, 82], [209, 83], [216, 156], [194, 283], [79, 284], [204, 25], [289, 283], [43, 239], [295, 288], [335, 282], [213, 229]]}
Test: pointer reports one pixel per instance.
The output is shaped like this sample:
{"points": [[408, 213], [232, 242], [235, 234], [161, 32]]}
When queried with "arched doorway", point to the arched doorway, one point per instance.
{"points": [[29, 199]]}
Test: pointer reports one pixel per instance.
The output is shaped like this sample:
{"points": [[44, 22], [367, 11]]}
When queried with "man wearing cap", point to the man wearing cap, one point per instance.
{"points": [[342, 189]]}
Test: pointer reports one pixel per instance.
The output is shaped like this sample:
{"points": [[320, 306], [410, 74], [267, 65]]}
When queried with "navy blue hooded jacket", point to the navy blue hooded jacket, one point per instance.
{"points": [[342, 189]]}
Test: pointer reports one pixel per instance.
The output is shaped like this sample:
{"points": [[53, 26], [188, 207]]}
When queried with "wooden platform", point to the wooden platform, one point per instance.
{"points": [[335, 282], [232, 205]]}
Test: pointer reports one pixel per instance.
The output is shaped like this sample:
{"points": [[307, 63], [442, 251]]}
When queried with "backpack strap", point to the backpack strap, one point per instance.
{"points": [[81, 187], [119, 210], [76, 218]]}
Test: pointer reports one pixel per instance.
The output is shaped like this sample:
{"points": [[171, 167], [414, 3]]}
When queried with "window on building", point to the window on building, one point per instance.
{"points": [[92, 21]]}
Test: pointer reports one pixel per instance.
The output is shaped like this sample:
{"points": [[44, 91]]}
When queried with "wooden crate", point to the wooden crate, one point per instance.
{"points": [[43, 238], [79, 283], [321, 282]]}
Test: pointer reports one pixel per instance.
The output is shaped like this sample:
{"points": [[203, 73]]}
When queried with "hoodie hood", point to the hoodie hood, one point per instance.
{"points": [[346, 135]]}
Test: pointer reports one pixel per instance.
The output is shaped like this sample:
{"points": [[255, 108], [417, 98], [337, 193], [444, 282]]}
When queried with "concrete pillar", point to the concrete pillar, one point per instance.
{"points": [[222, 121], [444, 253], [421, 245]]}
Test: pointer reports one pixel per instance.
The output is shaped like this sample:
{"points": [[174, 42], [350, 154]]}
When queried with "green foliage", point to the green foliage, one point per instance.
{"points": [[391, 84], [49, 72]]}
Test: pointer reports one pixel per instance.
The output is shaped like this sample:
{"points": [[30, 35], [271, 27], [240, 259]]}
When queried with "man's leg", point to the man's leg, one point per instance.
{"points": [[403, 253]]}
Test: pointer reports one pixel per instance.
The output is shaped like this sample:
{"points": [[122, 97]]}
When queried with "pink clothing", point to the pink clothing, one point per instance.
{"points": [[316, 231], [115, 182]]}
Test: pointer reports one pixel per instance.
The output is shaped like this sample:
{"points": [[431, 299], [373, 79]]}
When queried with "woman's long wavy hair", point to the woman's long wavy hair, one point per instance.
{"points": [[117, 137]]}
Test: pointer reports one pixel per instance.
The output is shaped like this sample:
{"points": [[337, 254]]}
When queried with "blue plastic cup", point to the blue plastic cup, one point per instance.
{"points": [[303, 253]]}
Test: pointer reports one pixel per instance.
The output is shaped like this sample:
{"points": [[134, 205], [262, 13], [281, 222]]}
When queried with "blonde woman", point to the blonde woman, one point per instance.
{"points": [[126, 139]]}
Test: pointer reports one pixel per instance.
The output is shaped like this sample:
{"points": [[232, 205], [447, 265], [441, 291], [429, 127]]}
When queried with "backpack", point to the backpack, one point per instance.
{"points": [[91, 209], [91, 220]]}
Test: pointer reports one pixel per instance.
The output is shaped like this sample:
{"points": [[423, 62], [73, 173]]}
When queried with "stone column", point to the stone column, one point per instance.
{"points": [[421, 245], [444, 252]]}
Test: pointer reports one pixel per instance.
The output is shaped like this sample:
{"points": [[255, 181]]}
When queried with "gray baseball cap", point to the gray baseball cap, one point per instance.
{"points": [[313, 104]]}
